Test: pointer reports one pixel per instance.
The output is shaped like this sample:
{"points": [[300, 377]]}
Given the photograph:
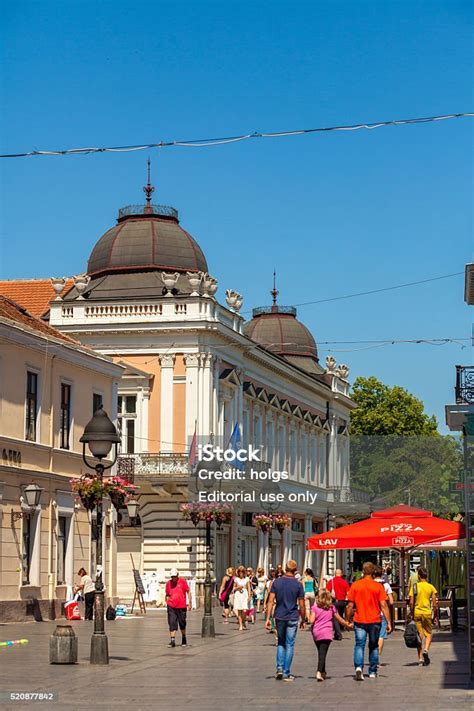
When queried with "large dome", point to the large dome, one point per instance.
{"points": [[277, 329], [146, 237]]}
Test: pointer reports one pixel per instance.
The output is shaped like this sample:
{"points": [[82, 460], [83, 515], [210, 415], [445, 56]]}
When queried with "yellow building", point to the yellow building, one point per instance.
{"points": [[49, 387]]}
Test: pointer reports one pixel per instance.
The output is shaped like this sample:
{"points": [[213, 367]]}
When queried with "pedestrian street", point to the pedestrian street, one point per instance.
{"points": [[234, 668]]}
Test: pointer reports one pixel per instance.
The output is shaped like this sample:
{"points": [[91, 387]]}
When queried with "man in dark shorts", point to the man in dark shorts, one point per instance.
{"points": [[178, 601], [288, 594]]}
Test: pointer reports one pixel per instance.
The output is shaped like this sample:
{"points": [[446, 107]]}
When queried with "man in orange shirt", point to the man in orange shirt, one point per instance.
{"points": [[369, 598]]}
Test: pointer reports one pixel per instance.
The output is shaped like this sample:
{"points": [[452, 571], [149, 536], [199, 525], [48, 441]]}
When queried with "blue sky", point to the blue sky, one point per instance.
{"points": [[333, 213]]}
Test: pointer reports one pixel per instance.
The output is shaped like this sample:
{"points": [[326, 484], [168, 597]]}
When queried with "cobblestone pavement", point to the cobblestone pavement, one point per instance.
{"points": [[233, 670]]}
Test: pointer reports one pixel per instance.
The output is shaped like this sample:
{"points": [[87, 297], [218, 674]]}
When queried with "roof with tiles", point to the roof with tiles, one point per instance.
{"points": [[33, 294], [12, 311]]}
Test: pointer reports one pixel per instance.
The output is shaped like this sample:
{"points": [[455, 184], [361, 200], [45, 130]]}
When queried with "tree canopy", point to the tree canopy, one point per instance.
{"points": [[382, 410], [397, 454]]}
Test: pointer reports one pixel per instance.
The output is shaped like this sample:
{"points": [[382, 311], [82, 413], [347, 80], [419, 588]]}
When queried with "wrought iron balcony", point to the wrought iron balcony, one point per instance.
{"points": [[148, 466], [464, 384], [349, 495], [161, 210]]}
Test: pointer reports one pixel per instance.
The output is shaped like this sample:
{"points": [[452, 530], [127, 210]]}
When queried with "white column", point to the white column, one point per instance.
{"points": [[166, 429], [308, 532], [235, 533], [192, 362], [286, 546], [215, 398], [262, 550], [206, 394]]}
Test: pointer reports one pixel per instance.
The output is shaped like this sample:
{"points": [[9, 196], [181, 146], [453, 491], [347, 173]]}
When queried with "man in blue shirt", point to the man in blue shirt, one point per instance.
{"points": [[287, 595]]}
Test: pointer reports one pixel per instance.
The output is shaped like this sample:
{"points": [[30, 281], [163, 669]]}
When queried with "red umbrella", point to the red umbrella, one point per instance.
{"points": [[399, 527]]}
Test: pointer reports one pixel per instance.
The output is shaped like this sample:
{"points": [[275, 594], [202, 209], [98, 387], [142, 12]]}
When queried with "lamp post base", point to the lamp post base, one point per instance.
{"points": [[99, 649], [208, 629]]}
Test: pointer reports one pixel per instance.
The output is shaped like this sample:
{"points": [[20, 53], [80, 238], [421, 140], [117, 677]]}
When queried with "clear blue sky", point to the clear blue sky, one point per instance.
{"points": [[333, 213]]}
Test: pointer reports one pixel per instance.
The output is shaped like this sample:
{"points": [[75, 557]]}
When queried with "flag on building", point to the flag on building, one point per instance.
{"points": [[192, 455], [235, 444]]}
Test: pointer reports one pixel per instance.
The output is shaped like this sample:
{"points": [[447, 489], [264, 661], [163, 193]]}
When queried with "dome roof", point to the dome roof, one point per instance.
{"points": [[277, 329], [146, 237]]}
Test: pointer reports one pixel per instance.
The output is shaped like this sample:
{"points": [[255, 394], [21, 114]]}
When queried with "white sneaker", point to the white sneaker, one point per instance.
{"points": [[372, 675], [359, 674], [319, 676]]}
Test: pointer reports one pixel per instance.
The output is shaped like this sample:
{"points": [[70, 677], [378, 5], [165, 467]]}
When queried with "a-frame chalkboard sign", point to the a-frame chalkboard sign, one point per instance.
{"points": [[139, 589]]}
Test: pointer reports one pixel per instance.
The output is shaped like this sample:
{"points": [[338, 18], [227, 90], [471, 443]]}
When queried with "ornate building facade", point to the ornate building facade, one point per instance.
{"points": [[49, 388], [192, 364]]}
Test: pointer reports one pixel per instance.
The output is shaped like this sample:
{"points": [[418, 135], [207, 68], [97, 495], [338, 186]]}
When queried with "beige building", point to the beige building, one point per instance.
{"points": [[49, 387]]}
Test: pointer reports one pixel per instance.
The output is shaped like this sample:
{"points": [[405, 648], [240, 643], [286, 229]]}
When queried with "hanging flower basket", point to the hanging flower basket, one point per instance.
{"points": [[90, 489], [281, 521], [196, 512], [263, 522]]}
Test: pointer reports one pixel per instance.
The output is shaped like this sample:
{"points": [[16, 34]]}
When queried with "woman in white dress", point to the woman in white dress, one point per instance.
{"points": [[242, 594]]}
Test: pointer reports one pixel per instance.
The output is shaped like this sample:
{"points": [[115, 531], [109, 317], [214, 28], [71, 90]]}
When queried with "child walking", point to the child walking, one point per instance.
{"points": [[321, 618]]}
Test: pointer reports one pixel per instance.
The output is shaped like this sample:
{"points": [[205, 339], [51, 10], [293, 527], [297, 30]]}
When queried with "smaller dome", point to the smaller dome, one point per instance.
{"points": [[277, 329]]}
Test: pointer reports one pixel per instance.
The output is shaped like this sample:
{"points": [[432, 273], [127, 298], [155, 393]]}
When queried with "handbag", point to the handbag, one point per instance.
{"points": [[412, 636], [225, 592]]}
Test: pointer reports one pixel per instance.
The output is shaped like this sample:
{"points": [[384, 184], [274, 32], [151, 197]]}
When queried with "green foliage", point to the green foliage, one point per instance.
{"points": [[396, 452], [382, 410]]}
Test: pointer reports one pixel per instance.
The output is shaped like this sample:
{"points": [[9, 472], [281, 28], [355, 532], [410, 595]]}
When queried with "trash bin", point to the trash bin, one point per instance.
{"points": [[63, 646], [71, 610]]}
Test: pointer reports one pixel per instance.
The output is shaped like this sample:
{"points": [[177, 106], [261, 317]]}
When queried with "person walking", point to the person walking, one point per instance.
{"points": [[309, 584], [322, 617], [225, 590], [242, 593], [423, 600], [339, 587], [379, 578], [253, 595], [261, 585], [87, 588], [369, 599], [287, 594], [178, 601]]}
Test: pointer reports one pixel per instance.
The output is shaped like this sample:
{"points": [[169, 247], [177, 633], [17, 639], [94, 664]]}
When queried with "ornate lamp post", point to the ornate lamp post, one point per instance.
{"points": [[208, 628], [99, 434], [271, 488]]}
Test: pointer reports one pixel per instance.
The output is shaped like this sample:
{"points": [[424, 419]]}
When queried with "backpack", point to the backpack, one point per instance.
{"points": [[412, 636], [110, 613]]}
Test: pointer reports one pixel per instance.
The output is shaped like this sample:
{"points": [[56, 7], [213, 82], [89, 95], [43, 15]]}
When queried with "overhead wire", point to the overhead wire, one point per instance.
{"points": [[218, 141]]}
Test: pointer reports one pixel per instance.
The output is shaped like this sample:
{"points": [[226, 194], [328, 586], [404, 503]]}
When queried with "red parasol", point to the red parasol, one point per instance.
{"points": [[399, 527]]}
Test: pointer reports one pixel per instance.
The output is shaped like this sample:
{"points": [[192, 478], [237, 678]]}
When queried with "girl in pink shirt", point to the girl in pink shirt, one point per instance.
{"points": [[321, 618]]}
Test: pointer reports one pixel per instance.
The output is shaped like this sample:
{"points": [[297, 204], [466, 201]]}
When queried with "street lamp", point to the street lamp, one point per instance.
{"points": [[208, 628], [273, 489], [99, 434], [32, 494], [132, 509]]}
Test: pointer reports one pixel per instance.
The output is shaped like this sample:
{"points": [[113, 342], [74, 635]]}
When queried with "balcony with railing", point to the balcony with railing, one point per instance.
{"points": [[153, 466], [458, 415], [464, 384]]}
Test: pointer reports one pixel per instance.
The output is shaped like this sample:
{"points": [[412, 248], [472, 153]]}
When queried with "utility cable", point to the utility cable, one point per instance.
{"points": [[207, 142]]}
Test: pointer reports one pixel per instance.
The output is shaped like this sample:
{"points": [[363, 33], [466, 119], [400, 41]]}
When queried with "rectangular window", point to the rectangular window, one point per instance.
{"points": [[26, 551], [130, 436], [97, 402], [61, 554], [31, 405], [131, 404], [65, 423]]}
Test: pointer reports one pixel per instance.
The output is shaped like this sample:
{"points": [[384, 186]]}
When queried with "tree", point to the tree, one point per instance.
{"points": [[396, 451], [382, 410]]}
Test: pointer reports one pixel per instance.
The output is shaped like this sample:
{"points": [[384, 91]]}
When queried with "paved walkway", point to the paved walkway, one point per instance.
{"points": [[233, 670]]}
